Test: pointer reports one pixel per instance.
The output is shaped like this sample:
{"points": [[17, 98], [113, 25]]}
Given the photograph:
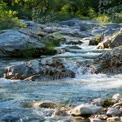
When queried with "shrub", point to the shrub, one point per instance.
{"points": [[8, 18]]}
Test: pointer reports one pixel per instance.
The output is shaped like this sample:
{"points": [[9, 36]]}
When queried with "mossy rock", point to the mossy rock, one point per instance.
{"points": [[27, 53], [108, 102]]}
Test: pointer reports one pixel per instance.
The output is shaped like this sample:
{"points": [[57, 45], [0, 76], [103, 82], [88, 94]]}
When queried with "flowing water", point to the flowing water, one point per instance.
{"points": [[83, 88]]}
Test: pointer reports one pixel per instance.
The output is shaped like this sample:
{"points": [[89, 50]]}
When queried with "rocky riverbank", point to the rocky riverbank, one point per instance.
{"points": [[75, 72], [29, 42], [98, 110]]}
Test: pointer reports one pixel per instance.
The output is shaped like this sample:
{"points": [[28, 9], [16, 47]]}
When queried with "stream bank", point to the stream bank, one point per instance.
{"points": [[73, 55]]}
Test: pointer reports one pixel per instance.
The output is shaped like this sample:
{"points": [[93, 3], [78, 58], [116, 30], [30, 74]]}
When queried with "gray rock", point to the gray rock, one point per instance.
{"points": [[93, 42], [55, 36], [116, 96], [43, 70], [85, 109], [117, 105], [113, 119], [111, 42], [20, 71], [96, 120], [12, 42], [99, 101], [81, 120], [41, 104], [113, 112], [117, 41], [110, 62]]}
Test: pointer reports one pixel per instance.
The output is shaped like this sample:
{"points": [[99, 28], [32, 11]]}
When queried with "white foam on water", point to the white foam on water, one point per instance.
{"points": [[100, 81]]}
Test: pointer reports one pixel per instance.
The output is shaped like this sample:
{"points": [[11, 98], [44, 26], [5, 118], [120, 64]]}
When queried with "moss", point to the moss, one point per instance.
{"points": [[27, 53], [50, 46], [107, 102]]}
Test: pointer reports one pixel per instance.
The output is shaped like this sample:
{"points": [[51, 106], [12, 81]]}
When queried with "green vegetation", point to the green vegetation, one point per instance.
{"points": [[8, 18], [107, 102], [50, 45], [44, 11]]}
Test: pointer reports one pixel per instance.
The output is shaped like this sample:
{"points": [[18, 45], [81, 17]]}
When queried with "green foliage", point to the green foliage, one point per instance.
{"points": [[107, 102], [8, 18], [91, 13], [11, 10], [50, 45]]}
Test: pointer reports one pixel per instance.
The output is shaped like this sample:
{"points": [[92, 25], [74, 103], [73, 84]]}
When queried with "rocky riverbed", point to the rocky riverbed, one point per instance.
{"points": [[85, 67]]}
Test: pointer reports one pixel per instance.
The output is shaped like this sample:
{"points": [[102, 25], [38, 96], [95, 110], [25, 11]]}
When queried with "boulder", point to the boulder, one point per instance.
{"points": [[96, 40], [98, 101], [16, 44], [113, 119], [117, 41], [110, 62], [55, 36], [44, 70], [105, 44], [116, 96], [85, 110], [113, 112], [20, 71], [93, 42], [111, 42]]}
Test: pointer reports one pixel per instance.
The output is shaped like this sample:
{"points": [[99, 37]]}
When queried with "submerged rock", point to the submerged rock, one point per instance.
{"points": [[44, 105], [10, 118]]}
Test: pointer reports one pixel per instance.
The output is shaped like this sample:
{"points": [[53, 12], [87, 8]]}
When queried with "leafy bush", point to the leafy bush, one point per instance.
{"points": [[8, 18]]}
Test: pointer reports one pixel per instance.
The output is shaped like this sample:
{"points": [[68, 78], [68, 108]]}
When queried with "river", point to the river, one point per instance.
{"points": [[71, 91]]}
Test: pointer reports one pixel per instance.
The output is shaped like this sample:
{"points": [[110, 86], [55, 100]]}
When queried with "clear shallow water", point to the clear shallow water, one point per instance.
{"points": [[14, 94], [82, 88]]}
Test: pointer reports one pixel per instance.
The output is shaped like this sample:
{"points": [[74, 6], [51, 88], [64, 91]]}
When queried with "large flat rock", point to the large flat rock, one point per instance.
{"points": [[15, 44]]}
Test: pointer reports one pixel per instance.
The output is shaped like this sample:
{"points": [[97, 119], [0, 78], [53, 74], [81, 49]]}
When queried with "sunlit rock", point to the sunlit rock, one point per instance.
{"points": [[85, 110]]}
